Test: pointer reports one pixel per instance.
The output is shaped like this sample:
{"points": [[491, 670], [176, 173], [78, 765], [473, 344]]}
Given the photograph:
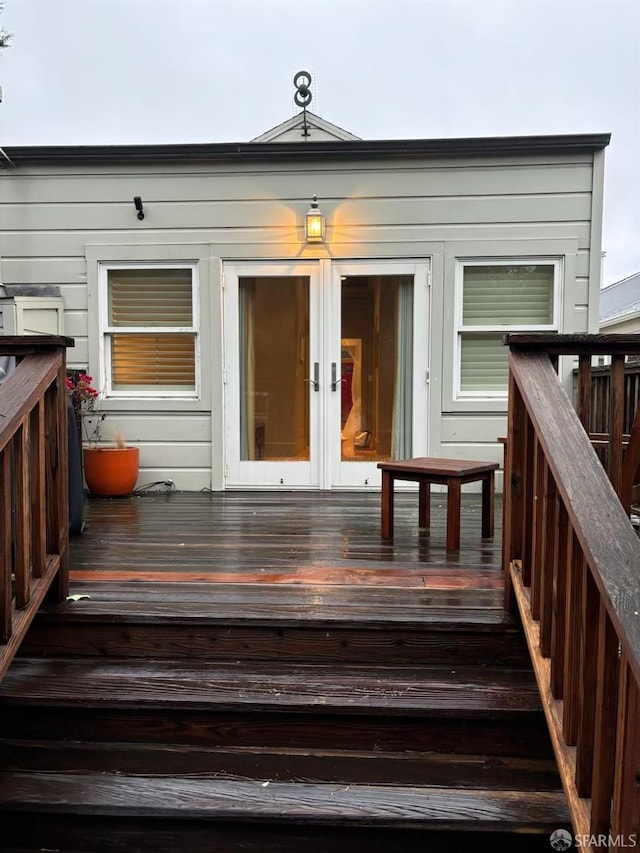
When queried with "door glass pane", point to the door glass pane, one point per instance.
{"points": [[376, 367], [274, 364]]}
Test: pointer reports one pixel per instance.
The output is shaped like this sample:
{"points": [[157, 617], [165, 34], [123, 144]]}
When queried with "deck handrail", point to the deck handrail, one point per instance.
{"points": [[34, 506], [573, 561]]}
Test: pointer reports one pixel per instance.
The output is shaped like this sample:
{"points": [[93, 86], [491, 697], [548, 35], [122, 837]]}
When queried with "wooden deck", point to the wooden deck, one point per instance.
{"points": [[283, 537], [310, 686]]}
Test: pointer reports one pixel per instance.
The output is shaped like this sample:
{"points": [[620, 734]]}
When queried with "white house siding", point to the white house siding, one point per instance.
{"points": [[56, 220]]}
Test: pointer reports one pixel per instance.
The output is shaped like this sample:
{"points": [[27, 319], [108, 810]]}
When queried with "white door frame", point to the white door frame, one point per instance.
{"points": [[366, 475], [259, 474], [325, 470]]}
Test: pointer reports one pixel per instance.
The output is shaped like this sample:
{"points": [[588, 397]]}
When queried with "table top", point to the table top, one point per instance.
{"points": [[439, 466]]}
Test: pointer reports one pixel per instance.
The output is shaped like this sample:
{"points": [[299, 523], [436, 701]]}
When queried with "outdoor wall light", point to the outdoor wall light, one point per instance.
{"points": [[314, 223], [138, 203]]}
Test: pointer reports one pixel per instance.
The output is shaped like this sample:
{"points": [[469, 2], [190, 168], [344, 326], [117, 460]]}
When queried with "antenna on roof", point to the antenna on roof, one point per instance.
{"points": [[302, 96]]}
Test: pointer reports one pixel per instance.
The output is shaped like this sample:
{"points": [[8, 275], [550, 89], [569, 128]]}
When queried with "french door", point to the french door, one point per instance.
{"points": [[326, 371]]}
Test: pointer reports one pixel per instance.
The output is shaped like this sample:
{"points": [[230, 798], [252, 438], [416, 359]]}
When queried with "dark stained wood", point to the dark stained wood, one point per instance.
{"points": [[631, 465], [616, 425], [286, 764], [559, 602], [566, 757], [283, 802], [464, 643], [574, 640], [223, 621], [610, 545], [38, 376], [21, 507], [548, 567], [604, 750], [520, 733], [424, 505], [512, 488], [21, 619], [57, 484], [541, 532], [23, 345], [22, 389], [589, 673], [288, 604], [387, 504], [584, 547], [626, 798], [320, 538], [370, 684], [583, 403], [578, 344], [294, 688], [6, 559], [451, 473], [38, 489], [132, 835], [528, 496]]}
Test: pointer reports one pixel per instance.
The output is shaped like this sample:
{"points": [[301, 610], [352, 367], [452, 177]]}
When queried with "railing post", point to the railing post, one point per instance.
{"points": [[38, 490], [616, 422], [512, 487], [626, 796], [583, 402], [573, 644], [605, 728], [21, 505], [5, 545], [57, 482]]}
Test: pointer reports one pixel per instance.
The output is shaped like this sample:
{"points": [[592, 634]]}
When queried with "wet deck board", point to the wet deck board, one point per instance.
{"points": [[323, 538]]}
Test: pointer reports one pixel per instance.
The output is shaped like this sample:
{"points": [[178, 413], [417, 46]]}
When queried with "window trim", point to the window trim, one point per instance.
{"points": [[460, 329], [106, 331]]}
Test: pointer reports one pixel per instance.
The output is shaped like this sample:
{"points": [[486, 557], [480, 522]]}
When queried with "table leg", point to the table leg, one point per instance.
{"points": [[453, 515], [487, 504], [424, 504], [387, 505]]}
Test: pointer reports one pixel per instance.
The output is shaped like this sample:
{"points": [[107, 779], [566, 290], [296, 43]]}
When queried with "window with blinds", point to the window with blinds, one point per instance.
{"points": [[151, 330], [497, 298]]}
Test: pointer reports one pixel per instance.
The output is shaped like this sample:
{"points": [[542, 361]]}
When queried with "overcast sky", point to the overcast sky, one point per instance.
{"points": [[152, 71]]}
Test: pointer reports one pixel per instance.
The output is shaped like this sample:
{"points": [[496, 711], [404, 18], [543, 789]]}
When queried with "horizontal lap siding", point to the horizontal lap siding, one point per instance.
{"points": [[49, 216]]}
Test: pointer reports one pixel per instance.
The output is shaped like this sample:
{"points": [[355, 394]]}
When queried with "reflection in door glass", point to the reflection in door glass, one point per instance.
{"points": [[376, 367], [274, 364]]}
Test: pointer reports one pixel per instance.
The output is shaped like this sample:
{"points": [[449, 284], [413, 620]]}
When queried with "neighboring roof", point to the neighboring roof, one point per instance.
{"points": [[317, 129], [338, 150], [620, 300]]}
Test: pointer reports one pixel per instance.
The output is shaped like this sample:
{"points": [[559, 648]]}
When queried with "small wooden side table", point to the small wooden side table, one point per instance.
{"points": [[452, 473]]}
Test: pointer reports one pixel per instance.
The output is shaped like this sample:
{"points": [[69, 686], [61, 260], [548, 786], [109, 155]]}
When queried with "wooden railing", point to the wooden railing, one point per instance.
{"points": [[573, 561], [34, 506], [597, 414]]}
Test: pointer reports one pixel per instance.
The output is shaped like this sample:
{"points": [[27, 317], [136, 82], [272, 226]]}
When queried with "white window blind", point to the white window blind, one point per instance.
{"points": [[150, 298], [497, 298], [151, 330], [484, 366], [507, 295]]}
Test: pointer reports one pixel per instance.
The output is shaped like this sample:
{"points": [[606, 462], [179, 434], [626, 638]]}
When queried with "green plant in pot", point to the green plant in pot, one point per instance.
{"points": [[110, 470]]}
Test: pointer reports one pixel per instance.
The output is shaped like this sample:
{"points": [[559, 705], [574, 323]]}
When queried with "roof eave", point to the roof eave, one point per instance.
{"points": [[343, 149]]}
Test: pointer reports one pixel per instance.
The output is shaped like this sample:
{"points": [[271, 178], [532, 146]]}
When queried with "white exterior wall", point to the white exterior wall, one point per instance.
{"points": [[57, 223]]}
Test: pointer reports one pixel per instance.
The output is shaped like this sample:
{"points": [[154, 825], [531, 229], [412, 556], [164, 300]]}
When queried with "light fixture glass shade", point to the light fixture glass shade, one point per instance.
{"points": [[314, 223]]}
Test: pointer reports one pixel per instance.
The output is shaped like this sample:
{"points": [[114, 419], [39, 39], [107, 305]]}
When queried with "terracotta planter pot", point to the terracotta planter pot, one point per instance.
{"points": [[111, 471]]}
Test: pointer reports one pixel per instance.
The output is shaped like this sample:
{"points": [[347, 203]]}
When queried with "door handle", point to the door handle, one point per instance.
{"points": [[315, 382], [334, 380]]}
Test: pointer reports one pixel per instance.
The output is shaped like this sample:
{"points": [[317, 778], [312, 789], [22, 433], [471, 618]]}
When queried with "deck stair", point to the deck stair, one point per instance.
{"points": [[223, 717]]}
